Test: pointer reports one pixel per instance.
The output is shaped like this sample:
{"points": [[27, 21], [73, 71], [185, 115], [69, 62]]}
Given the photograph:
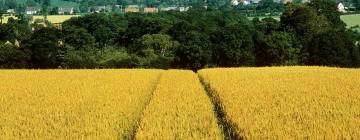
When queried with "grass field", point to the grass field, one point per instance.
{"points": [[350, 20], [248, 103], [288, 102]]}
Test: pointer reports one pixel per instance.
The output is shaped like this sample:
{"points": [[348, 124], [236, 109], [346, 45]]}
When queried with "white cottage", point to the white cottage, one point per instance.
{"points": [[10, 11], [341, 8], [173, 8], [234, 2], [32, 10], [183, 9], [64, 10]]}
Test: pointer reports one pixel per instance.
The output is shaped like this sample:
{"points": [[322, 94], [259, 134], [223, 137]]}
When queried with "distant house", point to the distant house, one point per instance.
{"points": [[255, 1], [132, 9], [63, 10], [32, 10], [287, 1], [10, 11], [341, 8], [151, 10], [169, 9], [118, 8], [246, 2], [98, 9], [183, 9], [234, 2]]}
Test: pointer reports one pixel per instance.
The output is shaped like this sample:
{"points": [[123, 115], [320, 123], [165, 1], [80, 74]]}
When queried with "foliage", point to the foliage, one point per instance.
{"points": [[162, 44], [233, 46], [321, 35], [77, 59], [277, 48], [192, 40], [45, 47], [113, 58], [12, 57], [356, 4], [78, 37], [328, 8]]}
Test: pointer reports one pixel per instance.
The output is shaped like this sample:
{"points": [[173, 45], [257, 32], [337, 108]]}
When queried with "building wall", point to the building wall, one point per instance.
{"points": [[31, 12], [151, 10], [131, 10]]}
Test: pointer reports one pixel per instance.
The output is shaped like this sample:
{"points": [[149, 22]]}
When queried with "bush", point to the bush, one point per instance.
{"points": [[84, 58], [277, 48], [113, 58], [12, 57]]}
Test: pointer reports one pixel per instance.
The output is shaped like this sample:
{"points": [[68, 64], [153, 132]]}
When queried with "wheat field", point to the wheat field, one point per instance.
{"points": [[73, 104], [288, 102], [52, 18], [246, 103], [179, 109]]}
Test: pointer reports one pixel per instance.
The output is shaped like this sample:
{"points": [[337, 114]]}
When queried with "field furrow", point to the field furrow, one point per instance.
{"points": [[288, 102], [73, 104], [179, 109]]}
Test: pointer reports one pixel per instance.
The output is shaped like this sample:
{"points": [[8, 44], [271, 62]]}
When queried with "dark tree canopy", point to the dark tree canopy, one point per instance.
{"points": [[307, 34]]}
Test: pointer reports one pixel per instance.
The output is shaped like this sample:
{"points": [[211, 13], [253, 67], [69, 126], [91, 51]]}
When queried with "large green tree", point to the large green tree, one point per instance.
{"points": [[80, 59], [304, 22], [233, 46], [16, 29], [162, 44], [194, 51], [322, 39], [45, 47], [356, 4], [157, 49], [13, 57], [277, 48], [328, 8], [330, 48], [78, 38], [214, 4]]}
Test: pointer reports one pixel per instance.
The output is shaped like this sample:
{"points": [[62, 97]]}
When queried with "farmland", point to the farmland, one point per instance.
{"points": [[73, 104], [52, 18], [179, 109], [256, 103], [350, 20], [288, 102]]}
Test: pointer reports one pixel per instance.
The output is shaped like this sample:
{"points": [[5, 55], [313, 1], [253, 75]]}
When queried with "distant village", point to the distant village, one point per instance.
{"points": [[139, 8], [104, 9]]}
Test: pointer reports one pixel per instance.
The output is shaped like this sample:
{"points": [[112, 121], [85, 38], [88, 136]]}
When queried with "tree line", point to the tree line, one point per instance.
{"points": [[307, 34]]}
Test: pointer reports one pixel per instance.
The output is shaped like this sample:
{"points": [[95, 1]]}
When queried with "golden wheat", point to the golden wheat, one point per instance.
{"points": [[73, 104], [55, 18], [289, 102], [52, 18], [179, 109]]}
